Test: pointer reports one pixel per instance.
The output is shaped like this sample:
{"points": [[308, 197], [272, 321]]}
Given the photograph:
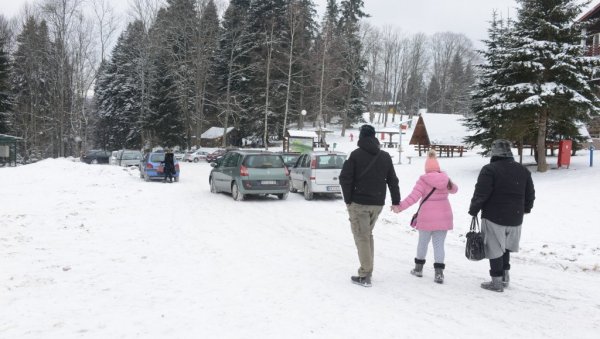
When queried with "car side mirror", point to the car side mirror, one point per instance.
{"points": [[213, 164]]}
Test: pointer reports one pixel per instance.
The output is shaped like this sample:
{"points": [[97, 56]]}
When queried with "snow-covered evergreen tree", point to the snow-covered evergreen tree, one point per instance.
{"points": [[354, 61], [5, 100], [233, 67], [540, 78]]}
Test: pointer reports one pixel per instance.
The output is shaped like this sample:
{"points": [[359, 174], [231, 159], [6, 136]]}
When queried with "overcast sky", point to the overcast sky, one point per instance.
{"points": [[470, 17]]}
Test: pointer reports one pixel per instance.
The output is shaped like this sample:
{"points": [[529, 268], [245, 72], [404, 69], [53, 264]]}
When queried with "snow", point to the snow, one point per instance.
{"points": [[214, 132], [93, 251]]}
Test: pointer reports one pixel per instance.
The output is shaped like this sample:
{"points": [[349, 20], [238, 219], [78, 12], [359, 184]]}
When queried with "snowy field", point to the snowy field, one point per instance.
{"points": [[93, 251]]}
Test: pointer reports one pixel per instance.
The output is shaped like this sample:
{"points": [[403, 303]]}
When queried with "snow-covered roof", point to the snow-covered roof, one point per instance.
{"points": [[214, 132], [445, 129], [301, 134], [389, 129]]}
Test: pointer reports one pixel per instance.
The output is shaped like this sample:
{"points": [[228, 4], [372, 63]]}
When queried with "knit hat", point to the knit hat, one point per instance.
{"points": [[431, 164], [366, 131], [501, 148]]}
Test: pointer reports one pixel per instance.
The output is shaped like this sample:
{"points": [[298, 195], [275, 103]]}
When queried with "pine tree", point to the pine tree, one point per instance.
{"points": [[233, 67], [538, 78], [32, 83], [5, 99], [354, 62]]}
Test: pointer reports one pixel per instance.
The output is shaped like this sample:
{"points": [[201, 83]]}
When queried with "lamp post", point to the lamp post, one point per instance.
{"points": [[302, 115]]}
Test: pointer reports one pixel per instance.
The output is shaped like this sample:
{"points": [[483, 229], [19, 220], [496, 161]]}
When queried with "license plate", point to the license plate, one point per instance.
{"points": [[268, 182], [333, 188]]}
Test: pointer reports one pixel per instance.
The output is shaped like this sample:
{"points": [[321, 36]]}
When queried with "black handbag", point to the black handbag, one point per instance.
{"points": [[474, 249], [413, 220]]}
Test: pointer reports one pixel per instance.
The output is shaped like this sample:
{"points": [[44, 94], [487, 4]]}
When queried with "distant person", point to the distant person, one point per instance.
{"points": [[363, 179], [169, 165], [503, 193], [435, 215]]}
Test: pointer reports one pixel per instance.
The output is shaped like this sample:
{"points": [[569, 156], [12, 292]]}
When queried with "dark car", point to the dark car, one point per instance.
{"points": [[96, 157], [214, 156]]}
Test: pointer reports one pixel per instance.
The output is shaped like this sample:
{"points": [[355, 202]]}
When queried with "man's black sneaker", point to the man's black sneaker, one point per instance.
{"points": [[362, 281]]}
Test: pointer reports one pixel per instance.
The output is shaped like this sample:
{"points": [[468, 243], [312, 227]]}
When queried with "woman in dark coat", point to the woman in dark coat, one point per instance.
{"points": [[503, 193], [169, 165]]}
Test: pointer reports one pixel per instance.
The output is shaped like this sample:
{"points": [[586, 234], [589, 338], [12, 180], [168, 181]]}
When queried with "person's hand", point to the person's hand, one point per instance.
{"points": [[396, 208], [473, 213]]}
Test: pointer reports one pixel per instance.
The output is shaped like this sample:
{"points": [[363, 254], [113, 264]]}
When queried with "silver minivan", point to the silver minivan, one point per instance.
{"points": [[127, 157], [317, 172]]}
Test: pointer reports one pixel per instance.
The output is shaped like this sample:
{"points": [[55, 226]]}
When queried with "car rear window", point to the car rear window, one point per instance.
{"points": [[158, 157], [330, 161], [131, 155], [290, 160], [263, 161]]}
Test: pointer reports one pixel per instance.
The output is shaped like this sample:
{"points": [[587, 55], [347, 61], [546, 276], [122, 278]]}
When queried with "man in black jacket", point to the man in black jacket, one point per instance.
{"points": [[364, 178], [504, 192]]}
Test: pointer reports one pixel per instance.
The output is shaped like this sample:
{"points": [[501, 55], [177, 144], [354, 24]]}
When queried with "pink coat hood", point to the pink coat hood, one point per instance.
{"points": [[436, 212]]}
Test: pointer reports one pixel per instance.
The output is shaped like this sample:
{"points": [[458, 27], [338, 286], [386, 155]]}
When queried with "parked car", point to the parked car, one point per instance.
{"points": [[317, 172], [126, 157], [179, 155], [96, 157], [212, 157], [149, 166], [196, 156], [289, 158], [243, 173]]}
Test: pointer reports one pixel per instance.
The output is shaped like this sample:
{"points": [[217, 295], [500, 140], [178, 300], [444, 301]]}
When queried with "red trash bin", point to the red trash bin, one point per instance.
{"points": [[564, 152]]}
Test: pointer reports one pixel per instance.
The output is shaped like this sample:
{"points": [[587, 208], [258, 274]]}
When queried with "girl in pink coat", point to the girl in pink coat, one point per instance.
{"points": [[435, 216]]}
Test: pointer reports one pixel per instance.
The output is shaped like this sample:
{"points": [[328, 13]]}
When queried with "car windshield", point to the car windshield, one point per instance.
{"points": [[290, 159], [330, 161], [263, 161], [157, 157], [131, 155]]}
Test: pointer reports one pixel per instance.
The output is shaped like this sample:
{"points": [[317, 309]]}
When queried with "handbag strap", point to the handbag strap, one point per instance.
{"points": [[475, 225], [422, 201], [369, 166]]}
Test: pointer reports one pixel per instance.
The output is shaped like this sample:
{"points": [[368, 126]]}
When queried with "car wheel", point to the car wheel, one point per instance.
{"points": [[213, 187], [95, 161], [282, 196], [235, 192], [308, 195], [195, 159], [292, 189]]}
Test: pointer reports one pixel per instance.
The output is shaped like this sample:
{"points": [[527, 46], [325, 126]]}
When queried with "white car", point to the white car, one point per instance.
{"points": [[317, 172], [196, 156]]}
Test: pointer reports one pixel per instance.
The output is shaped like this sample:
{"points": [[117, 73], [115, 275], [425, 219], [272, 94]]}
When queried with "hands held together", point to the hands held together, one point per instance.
{"points": [[395, 208]]}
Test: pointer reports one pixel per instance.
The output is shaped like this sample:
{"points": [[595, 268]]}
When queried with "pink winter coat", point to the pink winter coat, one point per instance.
{"points": [[436, 213]]}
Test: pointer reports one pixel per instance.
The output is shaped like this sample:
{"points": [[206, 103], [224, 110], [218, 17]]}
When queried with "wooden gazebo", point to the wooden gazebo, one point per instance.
{"points": [[8, 150], [443, 132]]}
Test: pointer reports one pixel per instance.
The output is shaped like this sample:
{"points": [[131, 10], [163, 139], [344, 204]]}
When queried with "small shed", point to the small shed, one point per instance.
{"points": [[443, 132], [299, 141], [8, 150], [322, 136], [213, 137]]}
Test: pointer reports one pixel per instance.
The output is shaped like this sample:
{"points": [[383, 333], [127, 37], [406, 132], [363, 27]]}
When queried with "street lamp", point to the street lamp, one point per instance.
{"points": [[302, 115]]}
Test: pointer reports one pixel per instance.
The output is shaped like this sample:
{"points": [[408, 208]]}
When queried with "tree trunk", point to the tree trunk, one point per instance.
{"points": [[542, 166]]}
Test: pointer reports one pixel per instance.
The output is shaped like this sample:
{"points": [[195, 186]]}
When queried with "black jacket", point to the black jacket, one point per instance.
{"points": [[369, 189], [503, 192]]}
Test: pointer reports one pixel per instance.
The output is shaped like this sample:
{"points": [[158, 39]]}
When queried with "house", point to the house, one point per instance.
{"points": [[443, 132], [591, 42], [213, 137]]}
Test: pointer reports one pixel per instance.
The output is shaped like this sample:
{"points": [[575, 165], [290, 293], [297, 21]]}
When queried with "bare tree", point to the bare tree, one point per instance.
{"points": [[107, 23]]}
